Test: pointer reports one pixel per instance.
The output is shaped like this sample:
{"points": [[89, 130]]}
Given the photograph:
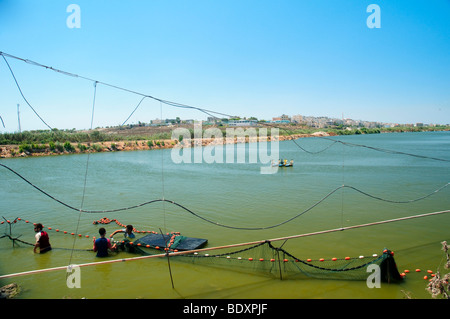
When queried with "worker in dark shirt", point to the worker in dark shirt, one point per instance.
{"points": [[102, 244]]}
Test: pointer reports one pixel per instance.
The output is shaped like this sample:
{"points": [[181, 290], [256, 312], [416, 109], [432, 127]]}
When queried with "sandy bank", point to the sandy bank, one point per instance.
{"points": [[11, 151]]}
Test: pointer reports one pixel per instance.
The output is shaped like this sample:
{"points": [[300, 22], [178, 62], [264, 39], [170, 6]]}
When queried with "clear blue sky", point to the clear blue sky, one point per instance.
{"points": [[247, 58]]}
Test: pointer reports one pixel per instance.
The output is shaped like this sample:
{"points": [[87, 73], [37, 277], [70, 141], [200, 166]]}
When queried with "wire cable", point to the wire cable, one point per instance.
{"points": [[85, 178], [21, 93], [175, 104], [223, 225], [205, 111]]}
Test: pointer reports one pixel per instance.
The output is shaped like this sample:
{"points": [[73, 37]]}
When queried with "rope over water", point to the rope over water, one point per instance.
{"points": [[256, 243], [265, 243], [163, 200], [184, 106]]}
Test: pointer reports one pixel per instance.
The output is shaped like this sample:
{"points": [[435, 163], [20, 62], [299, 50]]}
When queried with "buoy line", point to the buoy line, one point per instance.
{"points": [[38, 271]]}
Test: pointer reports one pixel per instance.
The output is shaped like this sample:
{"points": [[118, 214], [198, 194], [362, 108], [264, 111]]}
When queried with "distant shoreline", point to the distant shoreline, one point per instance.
{"points": [[123, 142], [17, 151]]}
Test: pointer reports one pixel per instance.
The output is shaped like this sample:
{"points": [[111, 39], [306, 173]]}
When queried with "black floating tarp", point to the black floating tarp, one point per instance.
{"points": [[179, 242]]}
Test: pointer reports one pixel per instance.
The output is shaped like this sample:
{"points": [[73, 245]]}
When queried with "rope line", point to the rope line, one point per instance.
{"points": [[21, 93], [180, 105], [223, 225], [31, 244], [163, 200], [226, 246], [325, 268], [379, 149], [134, 110], [334, 141], [171, 103], [85, 176]]}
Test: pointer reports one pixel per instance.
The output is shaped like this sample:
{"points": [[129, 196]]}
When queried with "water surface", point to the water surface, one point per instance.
{"points": [[238, 196]]}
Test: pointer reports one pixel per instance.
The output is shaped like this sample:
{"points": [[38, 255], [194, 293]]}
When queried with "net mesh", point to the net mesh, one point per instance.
{"points": [[262, 258], [268, 260]]}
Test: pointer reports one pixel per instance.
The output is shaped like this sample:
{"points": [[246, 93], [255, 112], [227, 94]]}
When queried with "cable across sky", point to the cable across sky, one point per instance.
{"points": [[181, 105]]}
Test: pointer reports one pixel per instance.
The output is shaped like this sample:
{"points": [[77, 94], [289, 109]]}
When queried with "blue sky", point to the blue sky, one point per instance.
{"points": [[246, 58]]}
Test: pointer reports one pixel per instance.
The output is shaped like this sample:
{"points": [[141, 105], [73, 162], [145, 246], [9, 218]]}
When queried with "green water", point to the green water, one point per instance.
{"points": [[234, 195]]}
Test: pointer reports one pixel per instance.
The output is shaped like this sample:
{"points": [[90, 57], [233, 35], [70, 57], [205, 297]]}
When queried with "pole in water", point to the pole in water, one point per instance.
{"points": [[167, 254], [10, 229], [18, 117], [279, 264]]}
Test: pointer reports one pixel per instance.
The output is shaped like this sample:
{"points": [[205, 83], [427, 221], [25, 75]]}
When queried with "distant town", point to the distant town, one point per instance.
{"points": [[309, 121], [158, 133]]}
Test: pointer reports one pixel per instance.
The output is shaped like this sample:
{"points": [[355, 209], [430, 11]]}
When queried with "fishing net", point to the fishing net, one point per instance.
{"points": [[265, 259], [262, 258]]}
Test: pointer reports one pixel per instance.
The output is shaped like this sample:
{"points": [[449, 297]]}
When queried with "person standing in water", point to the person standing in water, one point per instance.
{"points": [[102, 244], [128, 232], [42, 240]]}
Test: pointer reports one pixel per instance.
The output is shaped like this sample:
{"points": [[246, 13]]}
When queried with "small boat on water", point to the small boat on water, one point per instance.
{"points": [[283, 163], [288, 164]]}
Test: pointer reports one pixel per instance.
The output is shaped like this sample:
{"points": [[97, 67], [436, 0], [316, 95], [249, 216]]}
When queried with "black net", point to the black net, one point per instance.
{"points": [[265, 259], [262, 258]]}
